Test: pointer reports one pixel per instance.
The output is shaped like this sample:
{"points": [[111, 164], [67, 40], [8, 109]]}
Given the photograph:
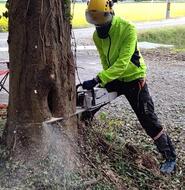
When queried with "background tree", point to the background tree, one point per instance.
{"points": [[42, 72]]}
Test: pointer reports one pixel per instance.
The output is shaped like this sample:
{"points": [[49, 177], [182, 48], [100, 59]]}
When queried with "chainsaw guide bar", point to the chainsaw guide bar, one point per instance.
{"points": [[88, 101]]}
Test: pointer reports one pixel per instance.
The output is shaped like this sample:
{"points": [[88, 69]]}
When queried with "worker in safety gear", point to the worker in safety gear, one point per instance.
{"points": [[124, 71]]}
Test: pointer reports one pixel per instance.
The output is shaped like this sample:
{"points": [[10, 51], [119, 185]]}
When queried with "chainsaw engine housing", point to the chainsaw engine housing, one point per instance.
{"points": [[97, 97]]}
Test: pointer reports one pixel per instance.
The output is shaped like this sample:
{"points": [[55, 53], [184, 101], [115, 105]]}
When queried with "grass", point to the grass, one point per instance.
{"points": [[3, 21], [167, 35], [2, 7]]}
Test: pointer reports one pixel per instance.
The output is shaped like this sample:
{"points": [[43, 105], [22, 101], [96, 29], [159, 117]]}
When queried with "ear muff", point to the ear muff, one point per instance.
{"points": [[100, 5], [111, 4]]}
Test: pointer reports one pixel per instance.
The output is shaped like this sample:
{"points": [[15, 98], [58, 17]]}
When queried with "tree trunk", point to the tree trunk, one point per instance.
{"points": [[42, 72]]}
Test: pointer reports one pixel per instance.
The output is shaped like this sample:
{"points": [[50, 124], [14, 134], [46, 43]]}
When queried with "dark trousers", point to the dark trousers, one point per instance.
{"points": [[141, 102]]}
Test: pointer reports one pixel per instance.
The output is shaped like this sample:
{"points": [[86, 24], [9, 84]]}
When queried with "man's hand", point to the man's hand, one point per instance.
{"points": [[89, 84]]}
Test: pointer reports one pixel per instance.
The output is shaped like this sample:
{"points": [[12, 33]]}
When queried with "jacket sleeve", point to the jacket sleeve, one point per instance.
{"points": [[120, 65], [101, 53]]}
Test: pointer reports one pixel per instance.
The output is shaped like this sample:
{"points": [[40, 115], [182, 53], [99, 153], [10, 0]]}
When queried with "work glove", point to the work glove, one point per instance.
{"points": [[168, 167], [90, 84]]}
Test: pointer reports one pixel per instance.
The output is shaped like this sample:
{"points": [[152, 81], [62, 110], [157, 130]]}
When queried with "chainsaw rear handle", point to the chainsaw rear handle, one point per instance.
{"points": [[78, 85]]}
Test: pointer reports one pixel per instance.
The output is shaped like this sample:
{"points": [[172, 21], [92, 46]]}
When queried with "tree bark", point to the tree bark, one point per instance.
{"points": [[42, 72]]}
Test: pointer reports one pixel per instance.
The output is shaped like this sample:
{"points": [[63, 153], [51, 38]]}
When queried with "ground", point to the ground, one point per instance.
{"points": [[117, 153], [166, 75]]}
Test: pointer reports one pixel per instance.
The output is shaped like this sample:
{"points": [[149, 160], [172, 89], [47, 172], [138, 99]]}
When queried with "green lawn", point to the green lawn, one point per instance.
{"points": [[167, 35], [2, 7]]}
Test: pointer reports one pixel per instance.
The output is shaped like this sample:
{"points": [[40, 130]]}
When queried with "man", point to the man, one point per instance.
{"points": [[124, 71]]}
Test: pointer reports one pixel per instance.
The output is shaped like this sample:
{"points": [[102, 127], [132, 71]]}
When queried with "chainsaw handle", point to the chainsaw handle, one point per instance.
{"points": [[93, 96], [78, 85]]}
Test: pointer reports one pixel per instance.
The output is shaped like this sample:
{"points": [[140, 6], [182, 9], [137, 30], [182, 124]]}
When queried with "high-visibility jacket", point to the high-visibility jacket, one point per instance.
{"points": [[119, 53]]}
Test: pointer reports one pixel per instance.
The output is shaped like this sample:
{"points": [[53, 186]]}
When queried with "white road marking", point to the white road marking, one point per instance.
{"points": [[4, 49]]}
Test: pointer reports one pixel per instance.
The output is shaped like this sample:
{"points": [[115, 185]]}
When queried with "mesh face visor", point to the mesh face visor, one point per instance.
{"points": [[98, 17]]}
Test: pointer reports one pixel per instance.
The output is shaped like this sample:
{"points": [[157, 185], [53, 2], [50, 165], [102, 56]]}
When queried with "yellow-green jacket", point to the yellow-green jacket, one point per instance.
{"points": [[119, 53]]}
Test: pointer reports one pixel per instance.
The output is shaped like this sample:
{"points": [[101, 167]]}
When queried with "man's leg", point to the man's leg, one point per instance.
{"points": [[140, 100]]}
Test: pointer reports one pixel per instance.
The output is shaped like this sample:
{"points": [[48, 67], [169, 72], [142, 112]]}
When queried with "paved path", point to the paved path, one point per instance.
{"points": [[87, 32]]}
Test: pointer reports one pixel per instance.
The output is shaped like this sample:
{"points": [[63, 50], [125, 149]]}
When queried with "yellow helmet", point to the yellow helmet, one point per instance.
{"points": [[99, 12]]}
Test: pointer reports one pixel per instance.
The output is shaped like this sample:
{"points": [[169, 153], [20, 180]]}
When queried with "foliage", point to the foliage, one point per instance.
{"points": [[2, 8], [3, 17], [132, 11], [3, 24], [167, 35]]}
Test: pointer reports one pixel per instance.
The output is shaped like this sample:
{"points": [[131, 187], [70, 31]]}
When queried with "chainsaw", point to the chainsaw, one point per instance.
{"points": [[94, 98], [88, 102]]}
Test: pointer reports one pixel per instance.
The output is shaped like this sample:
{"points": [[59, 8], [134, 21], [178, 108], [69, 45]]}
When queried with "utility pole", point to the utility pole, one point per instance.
{"points": [[168, 9]]}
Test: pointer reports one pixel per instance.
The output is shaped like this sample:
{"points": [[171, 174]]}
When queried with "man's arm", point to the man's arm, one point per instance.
{"points": [[118, 68], [101, 53]]}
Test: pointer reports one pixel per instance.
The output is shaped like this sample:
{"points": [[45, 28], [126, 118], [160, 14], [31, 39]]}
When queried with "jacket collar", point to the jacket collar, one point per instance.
{"points": [[112, 24]]}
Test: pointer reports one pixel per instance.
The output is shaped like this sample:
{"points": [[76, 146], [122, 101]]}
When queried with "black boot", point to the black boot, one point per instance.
{"points": [[167, 150]]}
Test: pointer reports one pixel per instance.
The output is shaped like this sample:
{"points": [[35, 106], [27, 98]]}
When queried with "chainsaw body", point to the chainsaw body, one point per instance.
{"points": [[94, 98], [88, 102]]}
